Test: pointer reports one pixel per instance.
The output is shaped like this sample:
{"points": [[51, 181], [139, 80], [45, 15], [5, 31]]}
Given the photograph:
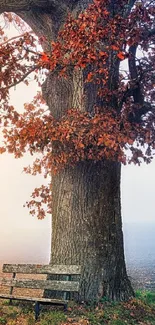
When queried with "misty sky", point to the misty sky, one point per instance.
{"points": [[21, 233]]}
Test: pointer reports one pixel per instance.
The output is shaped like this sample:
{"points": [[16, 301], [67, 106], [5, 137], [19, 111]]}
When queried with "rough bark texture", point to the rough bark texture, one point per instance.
{"points": [[86, 219], [87, 228]]}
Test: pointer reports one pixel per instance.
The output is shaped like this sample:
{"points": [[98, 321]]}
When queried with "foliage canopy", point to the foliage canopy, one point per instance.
{"points": [[115, 55]]}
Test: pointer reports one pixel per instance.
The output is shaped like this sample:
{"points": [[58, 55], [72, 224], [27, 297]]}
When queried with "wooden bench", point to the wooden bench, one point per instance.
{"points": [[66, 286]]}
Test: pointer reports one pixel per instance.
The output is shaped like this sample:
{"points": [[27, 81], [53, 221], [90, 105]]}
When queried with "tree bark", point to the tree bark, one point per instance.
{"points": [[86, 217], [87, 228], [86, 209]]}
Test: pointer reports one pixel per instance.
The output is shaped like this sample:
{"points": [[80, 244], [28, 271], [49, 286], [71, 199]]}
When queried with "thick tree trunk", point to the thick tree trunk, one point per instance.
{"points": [[87, 228], [86, 218], [86, 211]]}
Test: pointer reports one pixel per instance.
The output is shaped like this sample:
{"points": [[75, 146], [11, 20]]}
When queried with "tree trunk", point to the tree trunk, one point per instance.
{"points": [[86, 218], [86, 211], [87, 228]]}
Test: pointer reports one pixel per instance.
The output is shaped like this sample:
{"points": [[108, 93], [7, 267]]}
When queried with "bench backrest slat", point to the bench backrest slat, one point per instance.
{"points": [[71, 286], [42, 269]]}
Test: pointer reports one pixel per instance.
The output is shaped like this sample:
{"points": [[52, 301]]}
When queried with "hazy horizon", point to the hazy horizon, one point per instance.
{"points": [[29, 246], [138, 241]]}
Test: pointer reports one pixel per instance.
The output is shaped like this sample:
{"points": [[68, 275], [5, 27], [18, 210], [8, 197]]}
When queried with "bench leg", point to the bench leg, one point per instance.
{"points": [[37, 310], [65, 307]]}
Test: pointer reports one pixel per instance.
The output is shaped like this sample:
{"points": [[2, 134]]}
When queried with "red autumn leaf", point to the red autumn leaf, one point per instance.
{"points": [[102, 53], [114, 47], [105, 12], [121, 55], [89, 76], [2, 150], [81, 145], [100, 141], [45, 58]]}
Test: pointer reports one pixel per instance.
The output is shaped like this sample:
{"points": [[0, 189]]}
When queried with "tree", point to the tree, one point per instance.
{"points": [[98, 113]]}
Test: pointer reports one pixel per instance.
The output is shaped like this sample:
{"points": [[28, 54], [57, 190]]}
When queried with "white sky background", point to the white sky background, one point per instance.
{"points": [[22, 235]]}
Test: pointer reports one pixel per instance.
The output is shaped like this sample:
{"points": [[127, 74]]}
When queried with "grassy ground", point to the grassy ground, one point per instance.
{"points": [[138, 311]]}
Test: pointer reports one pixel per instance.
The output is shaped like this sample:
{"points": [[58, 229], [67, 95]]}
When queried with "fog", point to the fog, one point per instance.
{"points": [[18, 245]]}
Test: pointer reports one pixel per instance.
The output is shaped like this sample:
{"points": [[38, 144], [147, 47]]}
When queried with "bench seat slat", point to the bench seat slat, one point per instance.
{"points": [[41, 284], [42, 269], [14, 297]]}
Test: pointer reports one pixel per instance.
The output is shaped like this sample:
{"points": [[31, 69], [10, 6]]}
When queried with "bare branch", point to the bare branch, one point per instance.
{"points": [[137, 91], [129, 6], [151, 32], [14, 37], [22, 78]]}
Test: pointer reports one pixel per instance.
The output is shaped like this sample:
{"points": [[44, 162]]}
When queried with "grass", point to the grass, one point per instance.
{"points": [[138, 311], [147, 296]]}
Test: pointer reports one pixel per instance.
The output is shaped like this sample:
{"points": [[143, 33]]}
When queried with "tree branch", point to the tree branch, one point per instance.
{"points": [[137, 92], [26, 5], [13, 38], [128, 7], [141, 106], [151, 32], [43, 16], [21, 79]]}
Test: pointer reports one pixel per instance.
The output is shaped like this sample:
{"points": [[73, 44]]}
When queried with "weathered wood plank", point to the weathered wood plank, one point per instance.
{"points": [[42, 269], [14, 297], [41, 284]]}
